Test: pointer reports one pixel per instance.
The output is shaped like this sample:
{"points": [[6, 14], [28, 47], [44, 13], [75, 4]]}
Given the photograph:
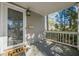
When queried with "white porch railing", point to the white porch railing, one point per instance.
{"points": [[67, 38]]}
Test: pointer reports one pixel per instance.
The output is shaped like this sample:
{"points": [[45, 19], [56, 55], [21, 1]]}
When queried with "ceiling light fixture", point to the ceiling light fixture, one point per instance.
{"points": [[28, 12]]}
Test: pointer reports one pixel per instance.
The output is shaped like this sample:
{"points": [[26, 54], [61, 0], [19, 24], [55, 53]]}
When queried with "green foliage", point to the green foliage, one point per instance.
{"points": [[73, 15]]}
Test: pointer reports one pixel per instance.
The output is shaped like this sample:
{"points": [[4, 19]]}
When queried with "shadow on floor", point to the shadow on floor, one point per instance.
{"points": [[55, 49]]}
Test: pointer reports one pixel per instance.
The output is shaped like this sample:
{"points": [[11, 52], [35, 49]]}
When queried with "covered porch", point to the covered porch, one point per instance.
{"points": [[36, 37]]}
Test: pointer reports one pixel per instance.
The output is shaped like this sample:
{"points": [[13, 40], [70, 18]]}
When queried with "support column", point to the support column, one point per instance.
{"points": [[46, 23], [46, 26], [78, 28]]}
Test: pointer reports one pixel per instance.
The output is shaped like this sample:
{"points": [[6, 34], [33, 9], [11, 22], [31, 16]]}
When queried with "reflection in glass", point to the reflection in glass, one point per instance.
{"points": [[15, 27]]}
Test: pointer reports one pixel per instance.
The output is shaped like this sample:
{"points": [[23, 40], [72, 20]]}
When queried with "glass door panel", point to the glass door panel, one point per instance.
{"points": [[15, 27]]}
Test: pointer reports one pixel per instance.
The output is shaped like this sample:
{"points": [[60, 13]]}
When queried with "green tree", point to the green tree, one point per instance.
{"points": [[73, 16]]}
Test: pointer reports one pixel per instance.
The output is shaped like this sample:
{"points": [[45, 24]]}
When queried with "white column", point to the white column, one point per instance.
{"points": [[46, 24], [78, 28]]}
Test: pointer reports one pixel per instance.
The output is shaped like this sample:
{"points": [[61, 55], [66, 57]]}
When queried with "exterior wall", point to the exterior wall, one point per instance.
{"points": [[35, 23], [3, 25], [0, 18], [2, 28], [35, 26], [0, 22]]}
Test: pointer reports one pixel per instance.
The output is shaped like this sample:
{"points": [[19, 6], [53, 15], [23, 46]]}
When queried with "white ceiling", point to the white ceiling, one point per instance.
{"points": [[45, 8]]}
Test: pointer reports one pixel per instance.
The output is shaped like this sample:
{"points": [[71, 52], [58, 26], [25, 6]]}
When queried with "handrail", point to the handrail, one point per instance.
{"points": [[62, 32], [68, 38]]}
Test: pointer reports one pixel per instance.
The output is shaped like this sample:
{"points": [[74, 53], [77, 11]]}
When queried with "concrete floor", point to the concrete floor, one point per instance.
{"points": [[34, 51], [44, 48]]}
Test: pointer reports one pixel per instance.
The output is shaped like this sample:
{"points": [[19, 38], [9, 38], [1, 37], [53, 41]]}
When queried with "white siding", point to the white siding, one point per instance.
{"points": [[36, 21], [1, 29]]}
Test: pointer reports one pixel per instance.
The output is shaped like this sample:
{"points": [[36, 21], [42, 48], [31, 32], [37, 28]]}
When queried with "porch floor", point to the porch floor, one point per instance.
{"points": [[47, 48]]}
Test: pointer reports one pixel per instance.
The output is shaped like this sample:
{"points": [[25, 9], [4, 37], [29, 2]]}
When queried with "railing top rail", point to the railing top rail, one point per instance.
{"points": [[62, 32]]}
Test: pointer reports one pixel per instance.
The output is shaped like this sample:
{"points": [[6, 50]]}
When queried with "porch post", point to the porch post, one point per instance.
{"points": [[46, 23], [78, 28], [45, 26]]}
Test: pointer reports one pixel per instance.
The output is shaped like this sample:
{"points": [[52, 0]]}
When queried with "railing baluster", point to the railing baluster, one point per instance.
{"points": [[63, 37], [50, 35], [54, 36], [73, 39], [69, 39], [58, 37]]}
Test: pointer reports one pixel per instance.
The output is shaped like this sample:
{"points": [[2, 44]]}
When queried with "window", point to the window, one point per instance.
{"points": [[15, 27]]}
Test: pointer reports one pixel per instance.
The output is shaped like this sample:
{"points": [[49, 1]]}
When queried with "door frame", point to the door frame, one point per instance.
{"points": [[5, 7]]}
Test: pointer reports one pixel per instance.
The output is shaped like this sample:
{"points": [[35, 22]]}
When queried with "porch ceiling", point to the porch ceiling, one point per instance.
{"points": [[45, 8]]}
